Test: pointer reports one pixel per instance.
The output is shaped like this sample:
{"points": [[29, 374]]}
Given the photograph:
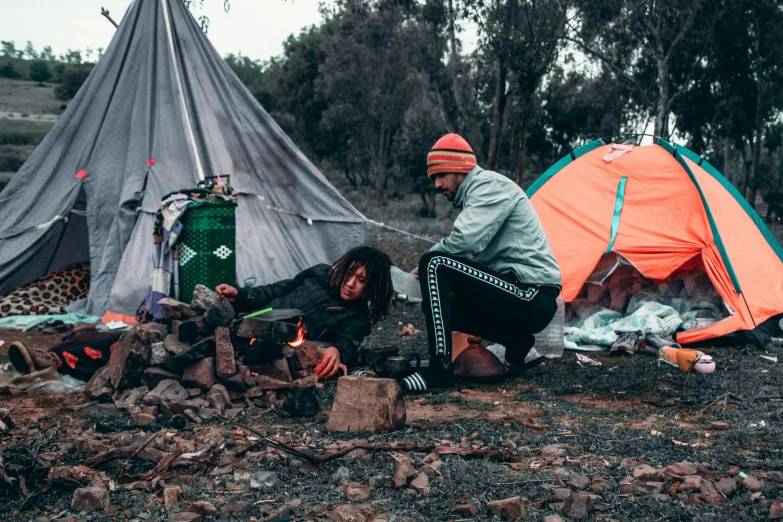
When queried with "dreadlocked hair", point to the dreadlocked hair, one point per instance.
{"points": [[379, 291]]}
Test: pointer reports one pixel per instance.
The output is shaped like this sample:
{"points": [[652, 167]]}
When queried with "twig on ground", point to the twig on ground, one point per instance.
{"points": [[525, 482], [146, 443]]}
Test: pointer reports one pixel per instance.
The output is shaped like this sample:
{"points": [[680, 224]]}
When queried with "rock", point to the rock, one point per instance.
{"points": [[708, 488], [93, 498], [647, 473], [302, 403], [158, 355], [128, 360], [174, 309], [224, 352], [599, 485], [218, 397], [579, 505], [263, 480], [752, 483], [154, 376], [367, 405], [179, 406], [404, 472], [173, 345], [308, 356], [553, 518], [692, 500], [185, 516], [353, 513], [277, 369], [240, 381], [266, 331], [466, 510], [152, 410], [201, 373], [726, 486], [358, 493], [341, 474], [204, 508], [507, 508], [630, 464], [196, 352], [267, 383], [720, 426], [776, 511], [170, 496], [195, 392], [143, 419], [681, 468], [97, 409], [653, 487], [561, 494], [167, 390], [421, 484], [98, 385], [578, 481], [208, 413], [192, 416], [691, 483], [220, 314], [715, 498], [307, 381], [239, 506], [130, 398], [152, 333], [203, 298], [629, 486]]}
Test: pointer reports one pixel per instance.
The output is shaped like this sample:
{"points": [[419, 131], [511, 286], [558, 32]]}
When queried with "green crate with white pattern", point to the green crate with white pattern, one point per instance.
{"points": [[207, 247]]}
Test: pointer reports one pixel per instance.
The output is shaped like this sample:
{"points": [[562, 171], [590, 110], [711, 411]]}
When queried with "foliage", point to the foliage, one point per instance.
{"points": [[23, 132], [73, 77], [8, 71], [39, 72]]}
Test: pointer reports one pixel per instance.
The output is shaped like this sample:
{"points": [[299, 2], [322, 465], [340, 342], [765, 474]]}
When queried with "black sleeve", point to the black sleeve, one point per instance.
{"points": [[258, 297], [349, 337]]}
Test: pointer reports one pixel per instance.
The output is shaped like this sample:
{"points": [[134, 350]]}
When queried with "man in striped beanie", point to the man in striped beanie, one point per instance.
{"points": [[493, 276]]}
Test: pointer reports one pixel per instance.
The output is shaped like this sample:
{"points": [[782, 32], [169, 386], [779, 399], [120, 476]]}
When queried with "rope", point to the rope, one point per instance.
{"points": [[428, 240]]}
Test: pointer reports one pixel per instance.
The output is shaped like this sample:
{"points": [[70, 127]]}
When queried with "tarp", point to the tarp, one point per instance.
{"points": [[158, 113]]}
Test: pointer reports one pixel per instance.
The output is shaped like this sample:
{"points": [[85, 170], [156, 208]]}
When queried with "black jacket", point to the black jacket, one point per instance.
{"points": [[327, 318]]}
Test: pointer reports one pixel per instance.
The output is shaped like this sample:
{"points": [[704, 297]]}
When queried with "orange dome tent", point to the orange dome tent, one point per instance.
{"points": [[665, 210]]}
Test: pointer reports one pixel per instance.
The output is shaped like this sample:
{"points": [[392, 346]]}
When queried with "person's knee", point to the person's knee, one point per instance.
{"points": [[425, 260]]}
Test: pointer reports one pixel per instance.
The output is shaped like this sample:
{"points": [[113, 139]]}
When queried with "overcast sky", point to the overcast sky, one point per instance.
{"points": [[257, 28]]}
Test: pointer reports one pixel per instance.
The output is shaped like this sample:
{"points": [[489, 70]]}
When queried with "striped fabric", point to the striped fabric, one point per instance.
{"points": [[450, 154], [414, 382]]}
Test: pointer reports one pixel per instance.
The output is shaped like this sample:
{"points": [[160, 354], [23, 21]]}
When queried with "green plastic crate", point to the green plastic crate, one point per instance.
{"points": [[207, 247]]}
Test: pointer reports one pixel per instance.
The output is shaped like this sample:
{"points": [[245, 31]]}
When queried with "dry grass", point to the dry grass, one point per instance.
{"points": [[25, 97]]}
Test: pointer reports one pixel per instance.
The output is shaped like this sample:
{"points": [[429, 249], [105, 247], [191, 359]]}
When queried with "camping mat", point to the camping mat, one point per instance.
{"points": [[207, 247]]}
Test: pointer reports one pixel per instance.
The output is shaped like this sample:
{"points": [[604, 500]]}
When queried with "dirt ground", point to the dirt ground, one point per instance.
{"points": [[558, 421]]}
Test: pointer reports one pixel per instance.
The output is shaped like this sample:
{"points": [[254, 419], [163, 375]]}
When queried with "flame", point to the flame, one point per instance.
{"points": [[252, 341], [254, 374], [300, 337]]}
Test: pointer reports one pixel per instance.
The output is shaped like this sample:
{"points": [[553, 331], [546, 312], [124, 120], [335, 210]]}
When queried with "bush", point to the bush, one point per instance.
{"points": [[8, 71], [23, 132], [39, 72], [72, 80]]}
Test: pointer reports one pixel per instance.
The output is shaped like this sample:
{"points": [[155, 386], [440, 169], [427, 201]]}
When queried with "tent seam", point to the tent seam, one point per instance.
{"points": [[562, 163]]}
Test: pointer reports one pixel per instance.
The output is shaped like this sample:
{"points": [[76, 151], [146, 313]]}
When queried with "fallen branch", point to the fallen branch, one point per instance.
{"points": [[164, 464], [124, 452]]}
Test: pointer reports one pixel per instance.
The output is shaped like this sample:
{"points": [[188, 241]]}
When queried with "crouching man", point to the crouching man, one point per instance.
{"points": [[493, 276]]}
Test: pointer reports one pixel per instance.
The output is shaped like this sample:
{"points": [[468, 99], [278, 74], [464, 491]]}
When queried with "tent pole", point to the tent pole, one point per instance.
{"points": [[105, 12]]}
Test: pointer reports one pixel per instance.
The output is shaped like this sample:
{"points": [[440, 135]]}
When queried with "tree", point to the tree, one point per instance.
{"points": [[30, 51], [39, 72], [73, 78], [72, 57], [47, 54], [9, 71], [9, 48]]}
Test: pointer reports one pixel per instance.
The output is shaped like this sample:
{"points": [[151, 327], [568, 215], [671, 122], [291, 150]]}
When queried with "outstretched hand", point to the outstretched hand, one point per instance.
{"points": [[415, 272], [330, 364], [227, 293]]}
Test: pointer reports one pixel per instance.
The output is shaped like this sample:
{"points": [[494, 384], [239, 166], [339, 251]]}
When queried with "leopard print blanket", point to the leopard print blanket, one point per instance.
{"points": [[49, 294]]}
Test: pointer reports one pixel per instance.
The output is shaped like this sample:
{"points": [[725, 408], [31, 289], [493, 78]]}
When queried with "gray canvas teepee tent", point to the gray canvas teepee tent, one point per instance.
{"points": [[158, 113]]}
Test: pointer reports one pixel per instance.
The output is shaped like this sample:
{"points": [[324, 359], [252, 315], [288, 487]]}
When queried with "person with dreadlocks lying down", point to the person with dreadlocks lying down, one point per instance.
{"points": [[493, 276], [340, 302]]}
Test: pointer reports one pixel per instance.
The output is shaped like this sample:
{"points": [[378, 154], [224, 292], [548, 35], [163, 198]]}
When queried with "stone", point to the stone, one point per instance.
{"points": [[277, 369], [367, 405], [208, 413], [653, 487], [308, 356], [726, 486], [681, 469], [233, 413], [98, 385], [579, 505], [578, 481], [128, 360], [201, 373], [152, 332], [238, 506], [204, 508], [195, 405], [143, 419], [692, 500], [98, 409], [196, 352], [240, 381], [154, 376], [192, 416], [646, 473], [159, 356], [354, 513], [185, 516], [263, 480], [715, 499], [302, 402], [173, 345], [168, 390], [630, 464], [218, 397], [561, 494], [130, 398], [224, 353], [599, 485], [203, 298], [421, 484], [752, 483], [266, 331], [358, 493], [506, 508], [720, 426], [195, 392], [342, 474], [404, 472], [152, 410], [553, 518], [776, 511], [306, 381], [170, 496], [220, 314], [264, 383], [174, 309], [93, 498], [466, 510], [691, 483], [708, 488]]}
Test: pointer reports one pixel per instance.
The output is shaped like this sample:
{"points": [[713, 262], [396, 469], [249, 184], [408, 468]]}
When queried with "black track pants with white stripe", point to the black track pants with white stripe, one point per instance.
{"points": [[468, 297]]}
